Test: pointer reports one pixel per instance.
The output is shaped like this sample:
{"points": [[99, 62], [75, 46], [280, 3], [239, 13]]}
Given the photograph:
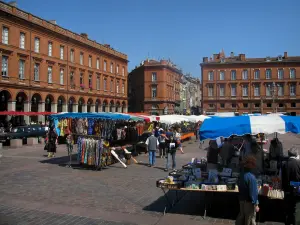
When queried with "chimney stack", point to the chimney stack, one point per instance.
{"points": [[53, 21], [215, 57], [242, 57], [205, 59], [85, 35], [285, 55], [13, 3]]}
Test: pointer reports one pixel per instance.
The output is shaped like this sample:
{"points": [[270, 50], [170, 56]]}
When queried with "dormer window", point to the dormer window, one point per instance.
{"points": [[279, 58]]}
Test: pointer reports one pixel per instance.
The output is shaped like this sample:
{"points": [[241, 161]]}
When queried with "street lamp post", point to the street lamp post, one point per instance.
{"points": [[273, 91]]}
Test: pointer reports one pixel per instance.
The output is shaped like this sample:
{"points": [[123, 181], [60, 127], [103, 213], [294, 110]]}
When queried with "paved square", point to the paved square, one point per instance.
{"points": [[38, 190]]}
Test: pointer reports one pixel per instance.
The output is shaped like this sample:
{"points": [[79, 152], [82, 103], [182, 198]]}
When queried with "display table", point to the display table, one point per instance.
{"points": [[171, 203], [264, 200]]}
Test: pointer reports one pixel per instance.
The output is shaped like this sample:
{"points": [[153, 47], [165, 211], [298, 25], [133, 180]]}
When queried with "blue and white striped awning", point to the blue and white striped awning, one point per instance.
{"points": [[240, 125]]}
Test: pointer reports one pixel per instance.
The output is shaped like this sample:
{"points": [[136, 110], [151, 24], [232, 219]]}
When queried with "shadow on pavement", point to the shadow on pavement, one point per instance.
{"points": [[219, 206]]}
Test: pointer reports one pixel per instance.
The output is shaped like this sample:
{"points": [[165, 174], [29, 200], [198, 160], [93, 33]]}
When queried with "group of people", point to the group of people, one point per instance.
{"points": [[167, 142]]}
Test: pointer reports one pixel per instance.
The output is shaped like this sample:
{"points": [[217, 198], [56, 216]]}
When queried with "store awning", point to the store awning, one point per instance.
{"points": [[241, 125]]}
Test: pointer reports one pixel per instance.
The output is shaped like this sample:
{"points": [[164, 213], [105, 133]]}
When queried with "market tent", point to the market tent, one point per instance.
{"points": [[135, 117], [147, 118], [240, 125], [194, 118], [171, 119]]}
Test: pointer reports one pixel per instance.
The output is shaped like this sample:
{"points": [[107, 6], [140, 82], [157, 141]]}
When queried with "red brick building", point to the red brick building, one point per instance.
{"points": [[48, 68], [251, 85], [154, 87]]}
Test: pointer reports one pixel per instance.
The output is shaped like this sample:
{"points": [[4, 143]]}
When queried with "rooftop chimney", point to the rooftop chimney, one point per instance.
{"points": [[53, 21], [285, 55], [215, 57], [85, 35], [13, 3], [242, 57]]}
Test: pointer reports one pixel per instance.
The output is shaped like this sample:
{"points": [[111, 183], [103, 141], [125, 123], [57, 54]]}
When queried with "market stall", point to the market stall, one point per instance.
{"points": [[178, 122], [96, 135], [198, 176]]}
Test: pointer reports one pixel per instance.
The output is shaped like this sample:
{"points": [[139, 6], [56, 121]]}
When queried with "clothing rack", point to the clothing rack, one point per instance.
{"points": [[96, 137], [87, 135]]}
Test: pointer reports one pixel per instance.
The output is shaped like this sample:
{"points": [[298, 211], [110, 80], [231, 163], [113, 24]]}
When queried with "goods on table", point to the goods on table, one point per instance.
{"points": [[195, 176]]}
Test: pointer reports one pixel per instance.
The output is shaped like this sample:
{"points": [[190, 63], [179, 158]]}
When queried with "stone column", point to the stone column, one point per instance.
{"points": [[54, 107], [113, 108], [107, 108], [41, 108], [125, 109], [65, 107], [75, 108], [93, 108], [11, 106], [27, 107], [84, 108]]}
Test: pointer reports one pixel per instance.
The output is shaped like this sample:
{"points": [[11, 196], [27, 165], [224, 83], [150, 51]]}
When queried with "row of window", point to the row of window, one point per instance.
{"points": [[268, 74], [61, 76], [270, 90], [5, 32], [256, 105]]}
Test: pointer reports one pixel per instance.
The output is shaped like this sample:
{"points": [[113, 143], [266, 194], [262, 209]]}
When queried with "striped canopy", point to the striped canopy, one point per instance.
{"points": [[240, 125]]}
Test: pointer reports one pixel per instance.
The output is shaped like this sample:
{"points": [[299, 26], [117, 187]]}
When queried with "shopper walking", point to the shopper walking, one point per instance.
{"points": [[52, 137], [178, 140], [172, 146], [152, 145], [248, 194], [162, 143]]}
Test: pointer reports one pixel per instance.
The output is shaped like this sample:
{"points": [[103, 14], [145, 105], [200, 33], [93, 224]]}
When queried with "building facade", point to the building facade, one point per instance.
{"points": [[48, 68], [154, 87], [251, 85], [190, 95]]}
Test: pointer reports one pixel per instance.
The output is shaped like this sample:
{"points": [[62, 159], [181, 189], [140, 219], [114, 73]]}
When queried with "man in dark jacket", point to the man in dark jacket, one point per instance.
{"points": [[227, 151], [291, 172], [248, 194]]}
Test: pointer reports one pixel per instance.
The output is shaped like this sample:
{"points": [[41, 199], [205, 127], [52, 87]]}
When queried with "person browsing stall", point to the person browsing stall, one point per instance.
{"points": [[291, 172], [248, 193], [152, 145]]}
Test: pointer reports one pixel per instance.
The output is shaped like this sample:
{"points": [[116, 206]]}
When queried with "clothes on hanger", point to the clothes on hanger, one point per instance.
{"points": [[89, 151]]}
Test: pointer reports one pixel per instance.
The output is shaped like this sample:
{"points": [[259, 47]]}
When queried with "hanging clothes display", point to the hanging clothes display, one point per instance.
{"points": [[89, 151]]}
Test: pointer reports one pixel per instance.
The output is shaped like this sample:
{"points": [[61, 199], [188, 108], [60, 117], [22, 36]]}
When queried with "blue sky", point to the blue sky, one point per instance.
{"points": [[184, 31]]}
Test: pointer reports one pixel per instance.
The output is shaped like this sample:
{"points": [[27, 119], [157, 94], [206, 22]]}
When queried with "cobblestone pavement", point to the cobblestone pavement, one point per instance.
{"points": [[37, 190]]}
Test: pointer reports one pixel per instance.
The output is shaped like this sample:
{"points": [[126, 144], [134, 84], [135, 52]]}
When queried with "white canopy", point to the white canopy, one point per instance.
{"points": [[170, 119]]}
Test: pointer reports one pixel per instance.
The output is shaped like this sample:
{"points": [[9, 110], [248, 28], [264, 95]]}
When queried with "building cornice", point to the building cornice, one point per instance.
{"points": [[59, 30]]}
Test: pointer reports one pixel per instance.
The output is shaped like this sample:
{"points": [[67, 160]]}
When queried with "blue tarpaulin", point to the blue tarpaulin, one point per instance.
{"points": [[240, 125], [100, 115]]}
